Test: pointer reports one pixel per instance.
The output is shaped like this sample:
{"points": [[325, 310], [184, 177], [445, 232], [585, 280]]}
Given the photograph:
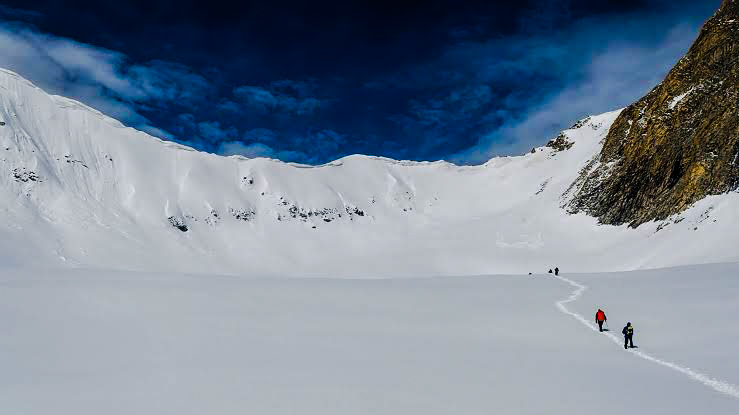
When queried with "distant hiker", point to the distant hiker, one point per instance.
{"points": [[550, 270], [628, 332], [600, 318], [556, 271]]}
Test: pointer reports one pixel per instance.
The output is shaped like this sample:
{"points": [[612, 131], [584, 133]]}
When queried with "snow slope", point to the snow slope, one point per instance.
{"points": [[86, 342], [78, 189]]}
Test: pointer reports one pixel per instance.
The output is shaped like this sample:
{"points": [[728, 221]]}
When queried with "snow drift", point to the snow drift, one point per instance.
{"points": [[80, 189]]}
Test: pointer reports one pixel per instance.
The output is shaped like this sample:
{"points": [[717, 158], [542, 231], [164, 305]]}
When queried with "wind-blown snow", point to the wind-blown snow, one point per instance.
{"points": [[78, 189]]}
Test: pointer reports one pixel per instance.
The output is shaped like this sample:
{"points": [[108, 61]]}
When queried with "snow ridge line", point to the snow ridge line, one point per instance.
{"points": [[715, 384]]}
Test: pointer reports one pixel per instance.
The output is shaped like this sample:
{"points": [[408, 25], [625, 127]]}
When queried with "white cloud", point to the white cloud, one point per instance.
{"points": [[101, 78], [276, 99], [613, 75], [156, 132], [258, 149]]}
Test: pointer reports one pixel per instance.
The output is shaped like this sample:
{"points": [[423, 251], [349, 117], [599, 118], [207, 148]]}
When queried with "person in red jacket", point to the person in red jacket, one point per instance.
{"points": [[600, 318]]}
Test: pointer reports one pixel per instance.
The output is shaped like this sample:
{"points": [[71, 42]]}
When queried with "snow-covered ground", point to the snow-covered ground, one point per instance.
{"points": [[683, 316], [95, 342]]}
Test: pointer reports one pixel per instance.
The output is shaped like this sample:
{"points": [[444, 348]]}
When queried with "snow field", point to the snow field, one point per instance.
{"points": [[90, 342], [683, 314], [718, 385]]}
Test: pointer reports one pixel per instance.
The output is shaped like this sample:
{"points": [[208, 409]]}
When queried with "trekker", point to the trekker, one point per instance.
{"points": [[600, 318], [556, 271], [628, 333], [550, 270]]}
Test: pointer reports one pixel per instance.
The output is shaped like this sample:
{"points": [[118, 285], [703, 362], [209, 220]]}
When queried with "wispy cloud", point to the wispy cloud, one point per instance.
{"points": [[611, 75], [101, 78], [503, 95], [280, 96], [255, 150], [213, 132], [12, 13], [476, 93], [263, 142]]}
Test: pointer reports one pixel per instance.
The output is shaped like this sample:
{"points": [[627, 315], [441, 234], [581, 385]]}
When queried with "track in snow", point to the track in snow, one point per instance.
{"points": [[718, 385]]}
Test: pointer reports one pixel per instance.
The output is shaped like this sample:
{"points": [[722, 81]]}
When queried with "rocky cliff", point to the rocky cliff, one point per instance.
{"points": [[676, 145]]}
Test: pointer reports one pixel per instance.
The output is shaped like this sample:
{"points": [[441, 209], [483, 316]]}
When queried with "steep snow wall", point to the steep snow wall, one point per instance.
{"points": [[80, 189]]}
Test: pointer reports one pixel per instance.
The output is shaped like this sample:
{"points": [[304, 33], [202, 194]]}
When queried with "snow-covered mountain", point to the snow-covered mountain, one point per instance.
{"points": [[79, 188], [677, 144]]}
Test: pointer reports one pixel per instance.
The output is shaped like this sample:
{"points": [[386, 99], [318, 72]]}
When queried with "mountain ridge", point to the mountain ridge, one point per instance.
{"points": [[680, 142], [79, 189]]}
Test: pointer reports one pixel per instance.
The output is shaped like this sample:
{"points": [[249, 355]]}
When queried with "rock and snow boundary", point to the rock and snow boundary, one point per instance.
{"points": [[78, 189]]}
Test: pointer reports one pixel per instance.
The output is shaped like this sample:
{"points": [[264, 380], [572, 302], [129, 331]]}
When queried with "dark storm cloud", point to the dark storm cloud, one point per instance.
{"points": [[313, 81]]}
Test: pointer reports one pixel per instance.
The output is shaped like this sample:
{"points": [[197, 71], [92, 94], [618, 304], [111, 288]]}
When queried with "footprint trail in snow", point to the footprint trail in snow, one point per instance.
{"points": [[718, 385]]}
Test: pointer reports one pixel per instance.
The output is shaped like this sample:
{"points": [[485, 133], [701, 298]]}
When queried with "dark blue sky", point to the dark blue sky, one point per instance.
{"points": [[313, 81]]}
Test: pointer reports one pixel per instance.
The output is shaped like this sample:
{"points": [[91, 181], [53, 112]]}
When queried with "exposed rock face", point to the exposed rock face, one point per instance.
{"points": [[561, 143], [679, 143]]}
